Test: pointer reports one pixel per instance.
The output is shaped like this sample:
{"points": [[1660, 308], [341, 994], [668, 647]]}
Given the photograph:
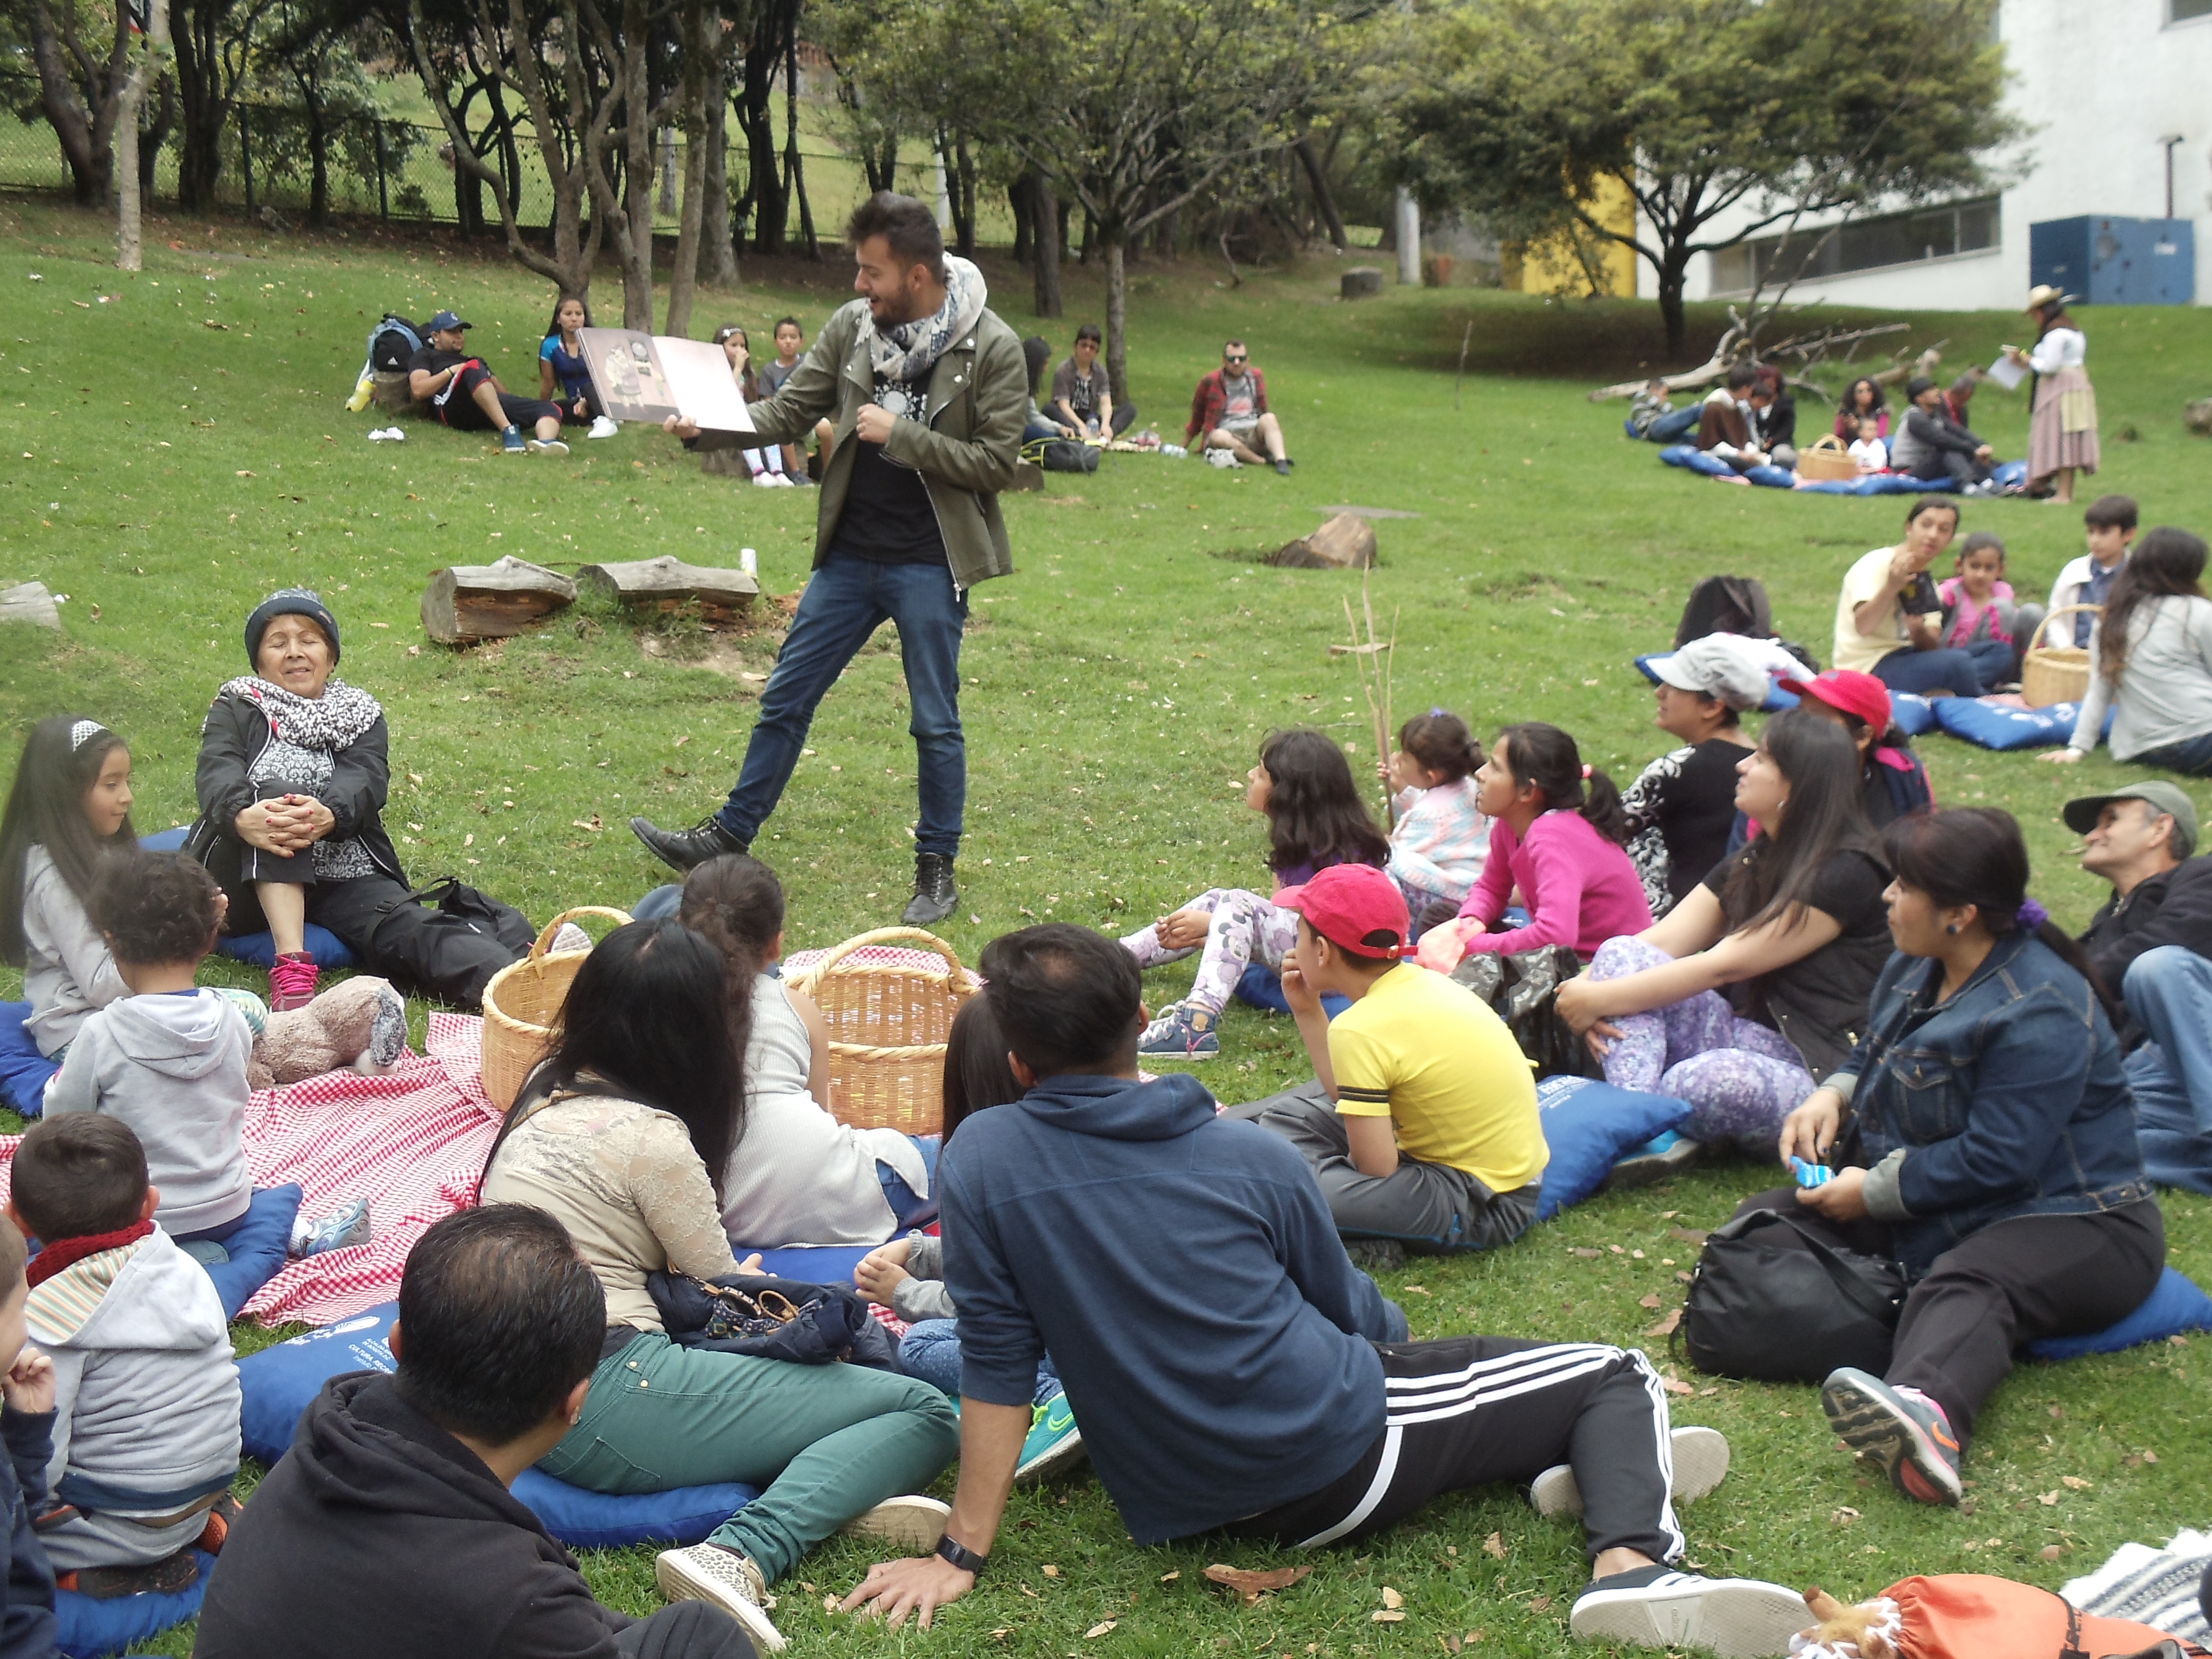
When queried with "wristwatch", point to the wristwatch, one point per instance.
{"points": [[961, 1556]]}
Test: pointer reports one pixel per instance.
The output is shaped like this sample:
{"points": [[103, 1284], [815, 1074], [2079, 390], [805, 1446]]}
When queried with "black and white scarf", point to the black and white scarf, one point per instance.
{"points": [[305, 733], [906, 351]]}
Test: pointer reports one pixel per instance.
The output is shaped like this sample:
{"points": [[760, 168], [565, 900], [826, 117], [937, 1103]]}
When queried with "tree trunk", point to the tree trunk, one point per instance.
{"points": [[1090, 238], [319, 174], [794, 164], [1117, 321], [718, 253], [158, 130], [1044, 213], [1017, 204], [1673, 273], [637, 166], [66, 113], [701, 24], [964, 195], [130, 241], [1323, 200]]}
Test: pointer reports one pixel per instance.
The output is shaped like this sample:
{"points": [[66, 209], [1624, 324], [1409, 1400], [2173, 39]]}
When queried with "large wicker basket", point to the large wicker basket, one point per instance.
{"points": [[1826, 460], [888, 1023], [2055, 673], [522, 1003]]}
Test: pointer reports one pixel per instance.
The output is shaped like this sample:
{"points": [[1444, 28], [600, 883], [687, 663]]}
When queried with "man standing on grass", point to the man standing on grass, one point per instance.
{"points": [[929, 392]]}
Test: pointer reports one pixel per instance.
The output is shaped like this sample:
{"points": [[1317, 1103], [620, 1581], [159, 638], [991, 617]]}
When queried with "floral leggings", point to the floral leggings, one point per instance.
{"points": [[1740, 1078], [1245, 928]]}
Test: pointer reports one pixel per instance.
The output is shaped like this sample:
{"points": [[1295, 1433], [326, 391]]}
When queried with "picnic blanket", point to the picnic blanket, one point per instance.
{"points": [[2153, 1587]]}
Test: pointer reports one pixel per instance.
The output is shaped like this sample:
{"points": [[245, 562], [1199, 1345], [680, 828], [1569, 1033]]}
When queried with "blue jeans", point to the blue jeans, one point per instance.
{"points": [[930, 1350], [1674, 426], [2168, 989], [847, 599], [2175, 1151], [910, 1206], [1967, 670], [2192, 755]]}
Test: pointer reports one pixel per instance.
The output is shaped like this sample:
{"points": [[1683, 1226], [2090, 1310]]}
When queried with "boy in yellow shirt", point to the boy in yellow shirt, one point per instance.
{"points": [[1421, 1122]]}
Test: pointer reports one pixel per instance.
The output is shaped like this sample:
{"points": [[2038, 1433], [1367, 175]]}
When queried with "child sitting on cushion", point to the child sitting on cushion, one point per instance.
{"points": [[145, 1439], [1979, 602], [1438, 843], [1420, 1122]]}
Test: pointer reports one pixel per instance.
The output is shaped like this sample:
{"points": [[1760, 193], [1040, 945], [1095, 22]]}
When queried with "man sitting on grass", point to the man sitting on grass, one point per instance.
{"points": [[388, 1532], [1230, 408], [468, 397], [1232, 1369], [1420, 1122]]}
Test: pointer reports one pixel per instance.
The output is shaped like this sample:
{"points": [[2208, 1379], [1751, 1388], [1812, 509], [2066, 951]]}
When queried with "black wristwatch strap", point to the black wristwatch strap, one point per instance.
{"points": [[961, 1556]]}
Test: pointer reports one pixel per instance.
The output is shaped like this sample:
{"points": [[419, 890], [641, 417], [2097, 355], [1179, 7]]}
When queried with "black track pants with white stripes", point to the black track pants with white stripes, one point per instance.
{"points": [[1469, 1410]]}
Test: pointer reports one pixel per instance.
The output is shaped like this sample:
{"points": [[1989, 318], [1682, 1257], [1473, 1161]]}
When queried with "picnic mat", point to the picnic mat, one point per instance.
{"points": [[2153, 1587]]}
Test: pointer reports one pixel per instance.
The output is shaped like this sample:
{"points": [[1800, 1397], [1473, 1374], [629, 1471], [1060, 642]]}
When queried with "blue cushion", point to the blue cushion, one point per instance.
{"points": [[2174, 1305], [1912, 713], [1695, 460], [1994, 726], [1776, 699], [810, 1264], [91, 1629], [280, 1382], [1262, 988], [24, 1072], [166, 841], [1588, 1125], [257, 1251], [259, 950]]}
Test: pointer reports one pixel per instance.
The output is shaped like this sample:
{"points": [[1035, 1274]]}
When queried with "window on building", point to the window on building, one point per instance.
{"points": [[2181, 11], [1892, 239]]}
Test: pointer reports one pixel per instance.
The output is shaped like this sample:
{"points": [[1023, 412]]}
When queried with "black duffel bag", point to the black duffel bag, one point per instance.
{"points": [[1788, 1307], [784, 1319], [1522, 990]]}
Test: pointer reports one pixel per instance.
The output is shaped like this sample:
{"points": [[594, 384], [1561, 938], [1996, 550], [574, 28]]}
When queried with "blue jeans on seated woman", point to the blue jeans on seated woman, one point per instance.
{"points": [[2192, 755], [910, 1206], [930, 1350], [1969, 670]]}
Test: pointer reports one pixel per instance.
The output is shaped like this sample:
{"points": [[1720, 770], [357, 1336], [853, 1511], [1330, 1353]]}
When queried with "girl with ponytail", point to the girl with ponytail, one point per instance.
{"points": [[1557, 834]]}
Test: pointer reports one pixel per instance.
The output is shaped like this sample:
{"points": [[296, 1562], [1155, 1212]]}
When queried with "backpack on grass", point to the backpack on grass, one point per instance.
{"points": [[1726, 605], [1060, 455], [392, 343]]}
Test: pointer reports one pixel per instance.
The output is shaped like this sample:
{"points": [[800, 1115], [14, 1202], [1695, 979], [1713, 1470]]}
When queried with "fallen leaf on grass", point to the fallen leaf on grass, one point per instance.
{"points": [[1049, 1570], [1689, 1235], [1650, 1301], [1391, 1598], [1541, 1604], [1586, 1254], [593, 824], [1667, 1327], [2075, 1483], [829, 1604], [1250, 1585], [1001, 1633], [2051, 1552], [2048, 1499], [1386, 1617], [1844, 1516], [1415, 1290], [1098, 1629], [1032, 1594], [1675, 1385], [1494, 1545], [1169, 1577]]}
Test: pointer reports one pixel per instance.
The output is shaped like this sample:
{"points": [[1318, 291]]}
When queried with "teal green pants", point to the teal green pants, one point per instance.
{"points": [[826, 1443]]}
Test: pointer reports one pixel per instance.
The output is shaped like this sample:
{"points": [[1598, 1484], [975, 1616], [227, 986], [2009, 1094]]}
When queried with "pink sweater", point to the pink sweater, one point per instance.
{"points": [[1579, 888]]}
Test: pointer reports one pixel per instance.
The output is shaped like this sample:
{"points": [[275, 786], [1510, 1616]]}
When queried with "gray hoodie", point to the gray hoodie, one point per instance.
{"points": [[145, 1394], [173, 1066], [67, 970]]}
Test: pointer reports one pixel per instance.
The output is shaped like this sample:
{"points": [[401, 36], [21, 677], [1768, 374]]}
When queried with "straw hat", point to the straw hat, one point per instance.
{"points": [[2043, 294]]}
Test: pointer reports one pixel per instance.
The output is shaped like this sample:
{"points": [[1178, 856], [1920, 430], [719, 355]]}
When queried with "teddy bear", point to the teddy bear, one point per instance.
{"points": [[359, 1022], [1867, 1630]]}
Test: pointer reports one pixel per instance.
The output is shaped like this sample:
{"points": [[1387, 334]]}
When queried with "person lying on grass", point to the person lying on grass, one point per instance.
{"points": [[1283, 1404], [1420, 1122], [388, 1530], [468, 397]]}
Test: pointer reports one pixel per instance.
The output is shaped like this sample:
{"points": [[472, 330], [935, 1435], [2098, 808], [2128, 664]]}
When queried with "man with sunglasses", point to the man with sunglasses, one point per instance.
{"points": [[1230, 408]]}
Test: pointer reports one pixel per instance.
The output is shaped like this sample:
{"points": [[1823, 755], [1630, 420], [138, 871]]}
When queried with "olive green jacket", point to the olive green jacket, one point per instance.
{"points": [[979, 398]]}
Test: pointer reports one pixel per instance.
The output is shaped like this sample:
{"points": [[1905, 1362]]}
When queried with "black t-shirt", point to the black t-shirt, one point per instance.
{"points": [[1695, 809], [1831, 985], [436, 360], [887, 517]]}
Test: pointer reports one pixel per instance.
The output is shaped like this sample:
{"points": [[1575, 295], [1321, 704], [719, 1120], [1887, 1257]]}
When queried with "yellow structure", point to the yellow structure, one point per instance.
{"points": [[1578, 262]]}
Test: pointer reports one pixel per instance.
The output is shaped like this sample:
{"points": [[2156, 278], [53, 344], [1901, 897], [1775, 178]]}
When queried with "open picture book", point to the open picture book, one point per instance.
{"points": [[649, 376]]}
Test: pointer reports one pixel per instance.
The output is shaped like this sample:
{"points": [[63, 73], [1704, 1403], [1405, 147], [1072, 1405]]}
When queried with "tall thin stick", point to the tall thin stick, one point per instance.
{"points": [[1464, 341], [1375, 678]]}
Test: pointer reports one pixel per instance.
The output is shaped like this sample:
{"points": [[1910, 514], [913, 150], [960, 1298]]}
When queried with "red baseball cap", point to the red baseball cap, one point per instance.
{"points": [[1355, 907], [1859, 695]]}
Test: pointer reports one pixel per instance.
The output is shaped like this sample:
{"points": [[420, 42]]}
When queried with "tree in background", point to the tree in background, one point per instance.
{"points": [[1514, 109], [150, 64], [83, 53], [215, 44]]}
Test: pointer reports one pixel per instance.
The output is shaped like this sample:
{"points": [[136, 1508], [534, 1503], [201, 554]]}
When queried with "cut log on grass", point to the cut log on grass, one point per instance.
{"points": [[471, 602], [30, 602], [1346, 542], [1360, 283], [667, 584], [388, 391]]}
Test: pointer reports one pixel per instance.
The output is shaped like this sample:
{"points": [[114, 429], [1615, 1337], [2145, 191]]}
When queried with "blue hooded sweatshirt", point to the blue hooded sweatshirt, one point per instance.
{"points": [[1184, 1274]]}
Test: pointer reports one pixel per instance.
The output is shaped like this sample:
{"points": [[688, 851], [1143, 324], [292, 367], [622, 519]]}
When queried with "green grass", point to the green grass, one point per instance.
{"points": [[164, 475]]}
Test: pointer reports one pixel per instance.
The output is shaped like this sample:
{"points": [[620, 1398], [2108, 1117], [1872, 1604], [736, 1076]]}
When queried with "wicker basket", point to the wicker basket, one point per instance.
{"points": [[1825, 460], [888, 1025], [2055, 673], [523, 1001]]}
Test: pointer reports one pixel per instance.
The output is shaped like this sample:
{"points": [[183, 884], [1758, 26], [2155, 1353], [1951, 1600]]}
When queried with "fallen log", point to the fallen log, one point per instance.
{"points": [[1346, 542], [667, 584], [466, 603]]}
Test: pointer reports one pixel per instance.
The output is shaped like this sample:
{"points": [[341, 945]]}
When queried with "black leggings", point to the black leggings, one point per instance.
{"points": [[688, 1630], [2013, 1283], [416, 946]]}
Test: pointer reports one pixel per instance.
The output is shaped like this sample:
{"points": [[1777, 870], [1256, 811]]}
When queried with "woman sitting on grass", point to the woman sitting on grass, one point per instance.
{"points": [[1441, 837], [1682, 807], [2152, 649], [1302, 786], [1984, 1138], [619, 1135], [796, 1175], [564, 379], [1865, 401], [1792, 929], [1556, 835], [1892, 780]]}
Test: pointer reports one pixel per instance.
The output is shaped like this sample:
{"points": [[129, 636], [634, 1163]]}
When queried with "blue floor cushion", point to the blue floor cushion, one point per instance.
{"points": [[1992, 726], [257, 1252], [278, 1383], [1912, 713], [1589, 1125], [1262, 988], [2174, 1305], [24, 1072], [810, 1264], [92, 1629], [259, 950]]}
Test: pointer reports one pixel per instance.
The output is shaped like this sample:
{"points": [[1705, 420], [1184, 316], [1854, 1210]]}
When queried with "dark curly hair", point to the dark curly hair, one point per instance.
{"points": [[154, 907], [1315, 814]]}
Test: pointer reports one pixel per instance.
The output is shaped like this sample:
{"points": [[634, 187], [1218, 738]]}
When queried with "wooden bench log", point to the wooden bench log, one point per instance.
{"points": [[668, 584], [470, 602], [1360, 283]]}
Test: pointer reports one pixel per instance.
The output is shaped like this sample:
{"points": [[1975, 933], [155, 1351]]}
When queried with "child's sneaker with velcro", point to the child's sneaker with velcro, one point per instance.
{"points": [[1182, 1032]]}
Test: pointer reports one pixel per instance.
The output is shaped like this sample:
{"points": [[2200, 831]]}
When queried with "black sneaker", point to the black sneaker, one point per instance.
{"points": [[164, 1577], [1283, 467], [681, 850], [935, 897], [1376, 1255]]}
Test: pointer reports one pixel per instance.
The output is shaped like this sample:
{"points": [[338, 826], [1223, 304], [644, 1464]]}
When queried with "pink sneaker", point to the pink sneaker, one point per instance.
{"points": [[292, 982]]}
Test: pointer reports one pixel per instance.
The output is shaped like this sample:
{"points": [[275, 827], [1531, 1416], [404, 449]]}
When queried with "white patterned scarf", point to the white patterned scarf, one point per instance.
{"points": [[305, 733], [906, 351]]}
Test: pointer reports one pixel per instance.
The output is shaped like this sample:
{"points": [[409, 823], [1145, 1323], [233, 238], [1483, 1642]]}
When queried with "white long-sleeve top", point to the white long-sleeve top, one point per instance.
{"points": [[2063, 348], [2164, 693]]}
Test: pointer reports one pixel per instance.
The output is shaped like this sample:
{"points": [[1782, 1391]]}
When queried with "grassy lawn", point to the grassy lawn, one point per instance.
{"points": [[164, 473]]}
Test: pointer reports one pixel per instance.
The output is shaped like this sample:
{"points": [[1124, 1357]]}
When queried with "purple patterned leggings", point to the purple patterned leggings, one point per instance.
{"points": [[1245, 928], [1740, 1078]]}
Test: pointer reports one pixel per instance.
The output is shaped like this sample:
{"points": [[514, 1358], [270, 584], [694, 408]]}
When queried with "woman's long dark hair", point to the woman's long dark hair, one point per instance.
{"points": [[553, 323], [46, 808], [736, 904], [2167, 563], [976, 1074], [1547, 757], [1827, 815], [644, 1020], [1976, 855], [1851, 397], [748, 382], [2052, 314], [1037, 355], [1315, 814]]}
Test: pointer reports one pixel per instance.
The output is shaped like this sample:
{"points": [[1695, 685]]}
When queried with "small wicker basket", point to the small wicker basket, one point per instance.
{"points": [[522, 1003], [1825, 460], [888, 1025], [2055, 673]]}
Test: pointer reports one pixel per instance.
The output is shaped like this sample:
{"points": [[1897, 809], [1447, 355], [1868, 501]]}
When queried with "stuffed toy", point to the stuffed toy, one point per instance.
{"points": [[1866, 1631], [359, 1023]]}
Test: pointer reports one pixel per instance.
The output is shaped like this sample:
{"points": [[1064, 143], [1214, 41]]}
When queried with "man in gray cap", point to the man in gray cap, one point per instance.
{"points": [[1681, 807], [2152, 942]]}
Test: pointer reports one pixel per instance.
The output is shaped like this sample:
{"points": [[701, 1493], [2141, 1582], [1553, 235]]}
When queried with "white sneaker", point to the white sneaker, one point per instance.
{"points": [[912, 1522], [1701, 1462], [547, 446], [602, 428], [725, 1579], [1221, 458], [1657, 1607], [764, 480]]}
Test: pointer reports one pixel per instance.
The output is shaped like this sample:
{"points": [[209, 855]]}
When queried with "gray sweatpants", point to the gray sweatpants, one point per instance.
{"points": [[110, 1541], [1430, 1208]]}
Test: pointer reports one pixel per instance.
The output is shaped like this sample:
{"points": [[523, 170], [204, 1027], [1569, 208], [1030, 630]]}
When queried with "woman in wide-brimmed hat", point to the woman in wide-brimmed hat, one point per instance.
{"points": [[2062, 434]]}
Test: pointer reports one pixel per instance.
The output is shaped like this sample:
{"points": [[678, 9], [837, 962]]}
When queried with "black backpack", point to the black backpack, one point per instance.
{"points": [[1060, 455], [392, 344], [1773, 1301], [1726, 605]]}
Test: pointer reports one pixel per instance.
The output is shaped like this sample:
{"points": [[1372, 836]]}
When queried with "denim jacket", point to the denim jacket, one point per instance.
{"points": [[2008, 1100]]}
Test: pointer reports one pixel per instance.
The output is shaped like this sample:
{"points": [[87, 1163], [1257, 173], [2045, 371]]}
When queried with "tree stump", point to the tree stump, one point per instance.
{"points": [[1360, 283], [388, 391], [1346, 542], [471, 602], [2197, 416], [725, 463], [30, 602], [667, 584], [1028, 475]]}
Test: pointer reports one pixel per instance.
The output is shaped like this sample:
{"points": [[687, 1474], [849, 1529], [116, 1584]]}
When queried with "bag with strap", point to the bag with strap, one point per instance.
{"points": [[464, 914], [772, 1318], [1522, 990], [1969, 1615], [1787, 1308], [1726, 605], [1060, 455], [392, 343]]}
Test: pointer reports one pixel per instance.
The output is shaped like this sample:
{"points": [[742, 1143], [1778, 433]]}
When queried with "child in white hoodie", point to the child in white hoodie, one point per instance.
{"points": [[146, 1397]]}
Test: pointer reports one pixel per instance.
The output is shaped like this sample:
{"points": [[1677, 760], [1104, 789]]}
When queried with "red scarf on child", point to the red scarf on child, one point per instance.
{"points": [[68, 1252]]}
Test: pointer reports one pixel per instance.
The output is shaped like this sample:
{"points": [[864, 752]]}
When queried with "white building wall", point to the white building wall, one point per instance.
{"points": [[2100, 82]]}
